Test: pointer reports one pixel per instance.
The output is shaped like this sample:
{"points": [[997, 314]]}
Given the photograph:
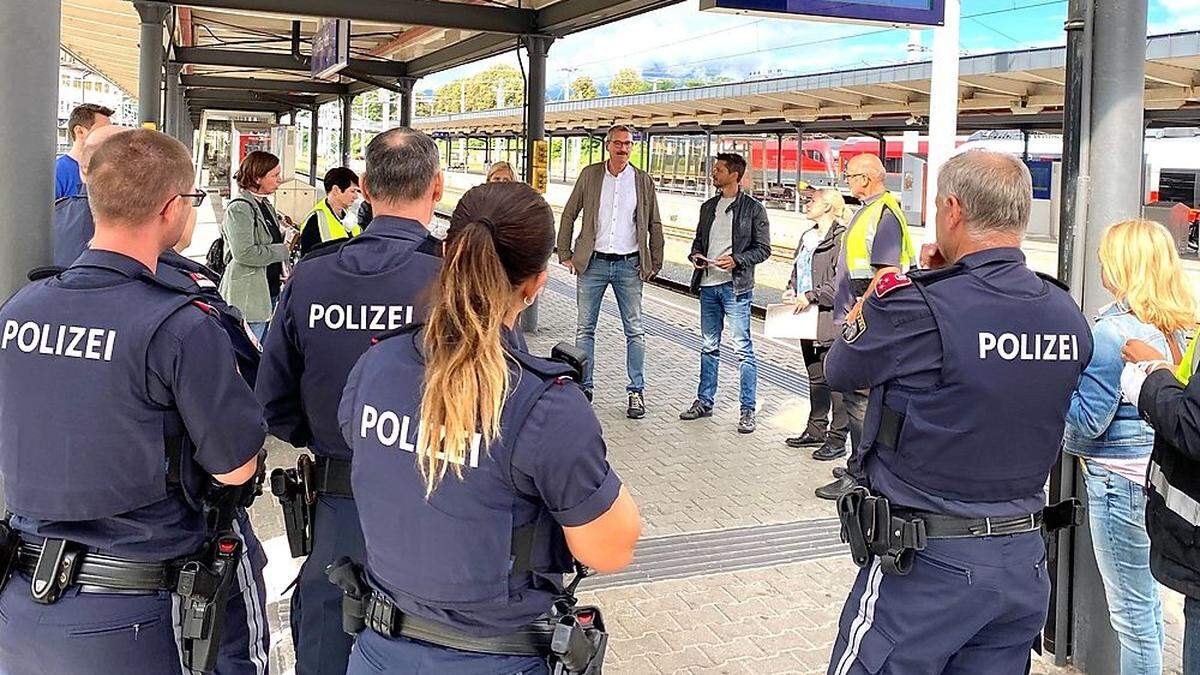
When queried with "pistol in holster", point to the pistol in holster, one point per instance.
{"points": [[871, 530], [579, 643], [296, 492], [222, 502], [351, 578], [204, 588], [10, 543]]}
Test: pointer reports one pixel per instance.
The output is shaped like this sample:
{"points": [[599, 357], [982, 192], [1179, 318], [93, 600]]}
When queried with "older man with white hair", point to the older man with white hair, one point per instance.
{"points": [[971, 365]]}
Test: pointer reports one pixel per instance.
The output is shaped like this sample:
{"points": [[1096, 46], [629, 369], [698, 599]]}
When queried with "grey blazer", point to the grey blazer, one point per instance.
{"points": [[586, 198], [248, 253]]}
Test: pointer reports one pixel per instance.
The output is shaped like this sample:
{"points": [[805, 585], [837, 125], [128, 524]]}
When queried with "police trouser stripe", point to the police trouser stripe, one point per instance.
{"points": [[254, 619], [177, 626], [866, 617]]}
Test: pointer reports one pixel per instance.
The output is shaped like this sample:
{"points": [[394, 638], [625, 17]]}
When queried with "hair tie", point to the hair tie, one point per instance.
{"points": [[487, 222]]}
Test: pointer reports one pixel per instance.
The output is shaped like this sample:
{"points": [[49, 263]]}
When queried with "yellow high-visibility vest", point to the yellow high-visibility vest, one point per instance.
{"points": [[329, 225], [1186, 367], [861, 234]]}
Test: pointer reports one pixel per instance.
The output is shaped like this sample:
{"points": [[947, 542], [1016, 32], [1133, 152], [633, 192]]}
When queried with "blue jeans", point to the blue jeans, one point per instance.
{"points": [[716, 304], [1117, 518], [260, 327], [626, 283]]}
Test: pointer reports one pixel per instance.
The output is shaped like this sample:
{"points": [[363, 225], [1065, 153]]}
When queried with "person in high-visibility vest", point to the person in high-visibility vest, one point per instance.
{"points": [[877, 237], [324, 222]]}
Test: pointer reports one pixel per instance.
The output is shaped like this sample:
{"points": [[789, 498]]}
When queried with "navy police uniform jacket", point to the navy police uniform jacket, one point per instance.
{"points": [[337, 299], [454, 557], [970, 370], [103, 368], [73, 228]]}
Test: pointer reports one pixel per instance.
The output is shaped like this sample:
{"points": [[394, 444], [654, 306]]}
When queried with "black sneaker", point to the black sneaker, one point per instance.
{"points": [[805, 440], [746, 425], [829, 452], [695, 412], [839, 471], [637, 406], [588, 394]]}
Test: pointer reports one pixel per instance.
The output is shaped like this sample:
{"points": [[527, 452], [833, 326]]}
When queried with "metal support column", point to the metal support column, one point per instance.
{"points": [[566, 152], [314, 139], [1025, 145], [646, 152], [1106, 52], [487, 150], [347, 114], [150, 62], [537, 47], [882, 149], [591, 142], [174, 102], [779, 159], [708, 159], [799, 167], [406, 100]]}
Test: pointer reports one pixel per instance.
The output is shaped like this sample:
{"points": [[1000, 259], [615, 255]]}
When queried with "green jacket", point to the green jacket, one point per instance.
{"points": [[248, 253]]}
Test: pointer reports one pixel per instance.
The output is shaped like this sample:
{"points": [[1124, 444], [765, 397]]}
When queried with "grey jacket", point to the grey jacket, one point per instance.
{"points": [[751, 239], [586, 198], [824, 271], [248, 253]]}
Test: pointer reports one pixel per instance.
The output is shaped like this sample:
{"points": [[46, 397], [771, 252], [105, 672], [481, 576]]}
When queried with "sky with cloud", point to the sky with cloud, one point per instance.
{"points": [[681, 41]]}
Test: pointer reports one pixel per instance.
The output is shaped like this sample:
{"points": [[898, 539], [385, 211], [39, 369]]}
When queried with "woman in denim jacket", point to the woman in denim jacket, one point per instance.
{"points": [[1140, 267]]}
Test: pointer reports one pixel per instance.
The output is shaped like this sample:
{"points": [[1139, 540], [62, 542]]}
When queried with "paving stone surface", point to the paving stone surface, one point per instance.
{"points": [[686, 477]]}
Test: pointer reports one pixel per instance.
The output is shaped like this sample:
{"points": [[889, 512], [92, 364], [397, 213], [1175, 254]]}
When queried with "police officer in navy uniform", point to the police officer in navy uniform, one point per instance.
{"points": [[337, 299], [246, 641], [106, 366], [970, 368], [470, 528]]}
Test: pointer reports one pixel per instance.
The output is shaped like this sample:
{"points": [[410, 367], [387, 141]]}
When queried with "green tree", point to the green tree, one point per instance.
{"points": [[583, 88], [448, 97], [627, 81], [665, 85], [498, 86]]}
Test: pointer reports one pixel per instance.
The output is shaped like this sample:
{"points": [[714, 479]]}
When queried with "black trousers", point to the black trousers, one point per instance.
{"points": [[824, 402], [856, 411]]}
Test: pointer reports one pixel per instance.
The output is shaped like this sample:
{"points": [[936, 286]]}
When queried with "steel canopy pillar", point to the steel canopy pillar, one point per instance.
{"points": [[150, 62], [406, 100], [943, 107], [537, 47], [175, 111], [347, 113], [314, 132]]}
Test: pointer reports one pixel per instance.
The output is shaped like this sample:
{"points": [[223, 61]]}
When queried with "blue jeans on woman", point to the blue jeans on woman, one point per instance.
{"points": [[624, 276], [718, 303], [1117, 518]]}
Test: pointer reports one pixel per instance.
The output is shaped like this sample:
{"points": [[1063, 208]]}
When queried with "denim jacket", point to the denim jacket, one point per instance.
{"points": [[1099, 424]]}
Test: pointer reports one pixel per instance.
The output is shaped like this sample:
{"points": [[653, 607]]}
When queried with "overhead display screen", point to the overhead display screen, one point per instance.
{"points": [[908, 13]]}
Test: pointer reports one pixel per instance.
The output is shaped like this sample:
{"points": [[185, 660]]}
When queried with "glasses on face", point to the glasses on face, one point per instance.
{"points": [[621, 144], [850, 176], [197, 198]]}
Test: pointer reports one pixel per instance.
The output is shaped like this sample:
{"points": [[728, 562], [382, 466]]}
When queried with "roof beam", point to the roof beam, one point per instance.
{"points": [[467, 51], [248, 96], [998, 85], [484, 18], [1172, 75], [261, 84], [209, 56], [570, 16], [240, 106]]}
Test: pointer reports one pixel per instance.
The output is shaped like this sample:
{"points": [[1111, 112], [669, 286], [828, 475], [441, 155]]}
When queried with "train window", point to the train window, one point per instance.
{"points": [[1177, 186]]}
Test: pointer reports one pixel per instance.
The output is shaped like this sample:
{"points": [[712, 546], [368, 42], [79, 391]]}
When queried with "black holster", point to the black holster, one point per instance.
{"points": [[204, 588], [579, 644], [297, 494], [1067, 513], [10, 543], [352, 579], [872, 531], [222, 502]]}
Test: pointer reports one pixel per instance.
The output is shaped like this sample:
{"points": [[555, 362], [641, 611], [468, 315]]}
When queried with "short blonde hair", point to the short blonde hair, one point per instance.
{"points": [[837, 204], [1140, 263], [498, 167], [132, 175]]}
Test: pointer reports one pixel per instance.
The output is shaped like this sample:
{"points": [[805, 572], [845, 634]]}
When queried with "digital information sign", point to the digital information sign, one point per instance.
{"points": [[906, 13], [330, 48]]}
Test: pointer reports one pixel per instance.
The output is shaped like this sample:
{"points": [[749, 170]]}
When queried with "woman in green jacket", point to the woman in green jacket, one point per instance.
{"points": [[254, 246]]}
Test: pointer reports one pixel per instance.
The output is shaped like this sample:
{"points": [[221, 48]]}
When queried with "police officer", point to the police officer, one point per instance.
{"points": [[122, 408], [337, 299], [970, 368], [876, 238], [479, 469], [246, 639]]}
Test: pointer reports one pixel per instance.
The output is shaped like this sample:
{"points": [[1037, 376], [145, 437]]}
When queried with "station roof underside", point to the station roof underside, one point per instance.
{"points": [[242, 54], [1019, 89]]}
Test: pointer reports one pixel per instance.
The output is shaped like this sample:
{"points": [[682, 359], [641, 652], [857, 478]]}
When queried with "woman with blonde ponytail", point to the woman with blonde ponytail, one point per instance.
{"points": [[1154, 304], [479, 469]]}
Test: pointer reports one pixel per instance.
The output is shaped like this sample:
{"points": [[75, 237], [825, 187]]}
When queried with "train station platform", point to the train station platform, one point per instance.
{"points": [[740, 569]]}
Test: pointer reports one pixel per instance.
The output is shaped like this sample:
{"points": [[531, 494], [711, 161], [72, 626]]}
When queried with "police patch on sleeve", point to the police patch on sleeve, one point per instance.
{"points": [[852, 330], [890, 282]]}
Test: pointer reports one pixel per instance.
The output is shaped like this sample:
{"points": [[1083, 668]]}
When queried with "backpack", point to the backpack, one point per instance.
{"points": [[215, 259]]}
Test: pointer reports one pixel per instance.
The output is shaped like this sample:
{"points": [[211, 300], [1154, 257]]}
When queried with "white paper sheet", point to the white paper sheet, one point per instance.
{"points": [[784, 324]]}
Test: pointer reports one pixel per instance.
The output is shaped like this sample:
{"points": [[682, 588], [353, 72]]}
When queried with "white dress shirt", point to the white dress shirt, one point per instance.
{"points": [[615, 229]]}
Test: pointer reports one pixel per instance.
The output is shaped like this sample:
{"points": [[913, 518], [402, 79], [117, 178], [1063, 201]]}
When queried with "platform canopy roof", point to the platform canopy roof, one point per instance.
{"points": [[1021, 89], [254, 53]]}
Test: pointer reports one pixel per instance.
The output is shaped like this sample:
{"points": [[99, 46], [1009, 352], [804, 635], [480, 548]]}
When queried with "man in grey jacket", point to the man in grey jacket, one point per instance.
{"points": [[620, 244], [732, 237]]}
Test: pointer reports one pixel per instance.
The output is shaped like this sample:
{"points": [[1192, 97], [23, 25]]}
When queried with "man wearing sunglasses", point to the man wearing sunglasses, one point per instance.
{"points": [[877, 237]]}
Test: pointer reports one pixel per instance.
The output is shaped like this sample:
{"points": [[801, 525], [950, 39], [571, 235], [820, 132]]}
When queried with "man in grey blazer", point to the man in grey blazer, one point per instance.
{"points": [[620, 244]]}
